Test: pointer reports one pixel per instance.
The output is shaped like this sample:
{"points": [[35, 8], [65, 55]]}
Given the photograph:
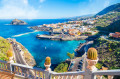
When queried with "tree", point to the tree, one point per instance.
{"points": [[71, 56]]}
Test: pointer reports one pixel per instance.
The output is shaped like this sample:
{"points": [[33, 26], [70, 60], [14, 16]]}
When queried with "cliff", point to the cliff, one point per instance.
{"points": [[18, 22]]}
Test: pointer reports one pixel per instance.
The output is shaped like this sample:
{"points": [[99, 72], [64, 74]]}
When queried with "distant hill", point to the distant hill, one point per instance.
{"points": [[80, 17], [112, 8], [109, 22]]}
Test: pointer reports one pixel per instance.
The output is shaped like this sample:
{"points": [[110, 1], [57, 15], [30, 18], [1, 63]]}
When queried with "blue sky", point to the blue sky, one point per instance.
{"points": [[50, 9]]}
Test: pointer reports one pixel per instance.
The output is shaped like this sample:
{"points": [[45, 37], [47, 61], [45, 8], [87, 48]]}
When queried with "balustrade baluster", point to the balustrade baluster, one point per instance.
{"points": [[19, 71], [72, 77], [2, 65], [110, 77], [58, 77], [43, 76], [53, 76], [15, 69], [35, 73]]}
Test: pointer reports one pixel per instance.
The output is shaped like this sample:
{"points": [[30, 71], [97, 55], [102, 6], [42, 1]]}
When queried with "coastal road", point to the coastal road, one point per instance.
{"points": [[19, 58]]}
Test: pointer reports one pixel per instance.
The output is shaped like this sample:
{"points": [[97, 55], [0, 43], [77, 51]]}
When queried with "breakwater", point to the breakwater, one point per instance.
{"points": [[65, 38]]}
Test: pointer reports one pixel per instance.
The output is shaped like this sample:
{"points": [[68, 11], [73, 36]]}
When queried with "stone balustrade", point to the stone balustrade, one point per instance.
{"points": [[37, 73]]}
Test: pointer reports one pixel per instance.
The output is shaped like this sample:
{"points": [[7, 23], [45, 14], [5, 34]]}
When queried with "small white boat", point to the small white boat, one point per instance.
{"points": [[45, 48]]}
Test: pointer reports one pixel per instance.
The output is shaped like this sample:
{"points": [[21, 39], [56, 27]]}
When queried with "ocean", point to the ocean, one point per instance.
{"points": [[39, 48]]}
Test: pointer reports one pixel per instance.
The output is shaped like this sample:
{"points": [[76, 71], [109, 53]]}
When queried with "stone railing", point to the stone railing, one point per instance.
{"points": [[37, 73]]}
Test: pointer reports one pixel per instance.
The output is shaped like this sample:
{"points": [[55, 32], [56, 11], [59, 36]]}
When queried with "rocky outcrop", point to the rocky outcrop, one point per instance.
{"points": [[18, 22]]}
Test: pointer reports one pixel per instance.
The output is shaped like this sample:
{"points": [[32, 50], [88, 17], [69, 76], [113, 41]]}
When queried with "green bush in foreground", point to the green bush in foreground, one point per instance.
{"points": [[99, 65], [61, 68]]}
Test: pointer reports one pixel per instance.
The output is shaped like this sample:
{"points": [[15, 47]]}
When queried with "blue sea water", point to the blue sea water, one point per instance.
{"points": [[39, 48]]}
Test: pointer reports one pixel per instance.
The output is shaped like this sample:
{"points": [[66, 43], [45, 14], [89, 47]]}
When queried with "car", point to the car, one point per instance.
{"points": [[80, 62], [70, 70], [79, 65], [78, 70], [73, 62]]}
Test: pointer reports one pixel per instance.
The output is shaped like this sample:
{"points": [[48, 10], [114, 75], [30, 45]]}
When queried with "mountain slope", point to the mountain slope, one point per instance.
{"points": [[109, 20], [115, 8]]}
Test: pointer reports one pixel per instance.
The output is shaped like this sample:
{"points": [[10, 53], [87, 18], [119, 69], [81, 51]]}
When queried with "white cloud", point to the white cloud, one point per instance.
{"points": [[25, 2], [107, 2], [17, 9], [41, 1]]}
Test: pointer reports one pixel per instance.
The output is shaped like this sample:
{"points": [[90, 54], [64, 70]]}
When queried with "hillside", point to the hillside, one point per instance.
{"points": [[108, 53], [6, 51], [109, 22], [112, 8], [4, 48]]}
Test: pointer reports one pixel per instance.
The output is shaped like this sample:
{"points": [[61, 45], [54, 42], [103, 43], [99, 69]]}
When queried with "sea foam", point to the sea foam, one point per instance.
{"points": [[24, 33]]}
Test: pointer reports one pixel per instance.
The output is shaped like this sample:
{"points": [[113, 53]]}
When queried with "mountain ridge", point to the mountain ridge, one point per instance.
{"points": [[114, 7]]}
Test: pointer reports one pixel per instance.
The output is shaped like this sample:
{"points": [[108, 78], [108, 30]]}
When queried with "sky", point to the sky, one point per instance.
{"points": [[51, 9]]}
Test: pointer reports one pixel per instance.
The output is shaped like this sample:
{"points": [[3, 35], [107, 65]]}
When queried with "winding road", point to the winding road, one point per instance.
{"points": [[19, 59]]}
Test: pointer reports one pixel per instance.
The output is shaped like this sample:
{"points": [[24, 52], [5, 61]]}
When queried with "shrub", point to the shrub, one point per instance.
{"points": [[71, 56], [61, 67], [99, 65]]}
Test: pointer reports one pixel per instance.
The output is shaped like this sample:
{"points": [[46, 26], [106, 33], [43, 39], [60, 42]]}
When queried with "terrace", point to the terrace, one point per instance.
{"points": [[18, 71]]}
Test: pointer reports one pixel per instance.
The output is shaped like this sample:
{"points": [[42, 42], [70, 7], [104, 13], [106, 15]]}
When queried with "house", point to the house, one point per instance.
{"points": [[115, 35], [57, 31], [74, 32]]}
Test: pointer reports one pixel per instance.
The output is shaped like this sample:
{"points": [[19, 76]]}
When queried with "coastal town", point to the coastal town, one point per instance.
{"points": [[71, 30]]}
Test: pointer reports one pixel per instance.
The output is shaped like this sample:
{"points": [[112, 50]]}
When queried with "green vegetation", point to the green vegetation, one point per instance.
{"points": [[108, 52], [3, 57], [61, 67], [71, 56], [4, 47], [115, 8], [99, 65], [109, 22]]}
